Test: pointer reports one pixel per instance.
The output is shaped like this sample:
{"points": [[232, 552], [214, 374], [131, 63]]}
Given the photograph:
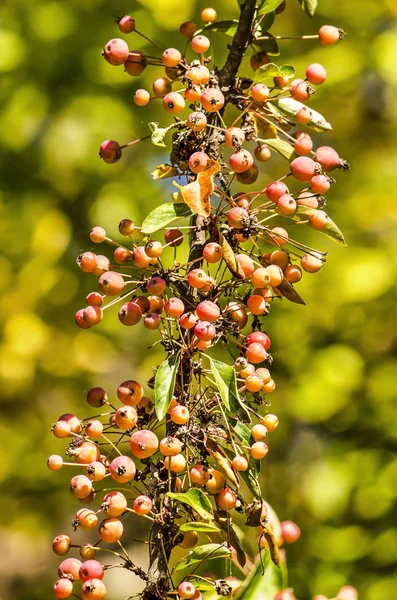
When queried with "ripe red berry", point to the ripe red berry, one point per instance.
{"points": [[275, 190], [256, 353], [347, 592], [126, 227], [171, 57], [290, 531], [126, 24], [94, 299], [96, 397], [316, 74], [320, 184], [179, 415], [328, 158], [186, 590], [97, 234], [93, 589], [212, 252], [55, 462], [270, 422], [263, 153], [130, 314], [175, 464], [111, 283], [303, 144], [130, 392], [200, 44], [260, 92], [188, 320], [301, 91], [259, 337], [286, 205], [61, 545], [140, 258], [152, 321], [209, 15], [311, 263], [259, 450], [293, 273], [308, 198], [170, 446], [173, 237], [93, 315], [318, 219], [156, 286], [114, 504], [142, 505], [212, 100], [197, 278], [197, 121], [234, 137], [240, 463], [304, 115], [70, 568], [208, 311], [91, 569], [144, 443], [174, 307], [198, 162], [226, 499], [173, 103], [329, 35], [63, 588], [246, 263], [240, 161], [303, 168], [110, 530], [259, 59], [141, 97], [126, 417], [256, 304], [116, 51], [122, 468], [154, 249], [87, 262], [237, 217], [205, 331], [135, 63]]}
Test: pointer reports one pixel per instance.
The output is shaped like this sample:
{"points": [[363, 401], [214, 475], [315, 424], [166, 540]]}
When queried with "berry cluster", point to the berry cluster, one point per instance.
{"points": [[191, 455]]}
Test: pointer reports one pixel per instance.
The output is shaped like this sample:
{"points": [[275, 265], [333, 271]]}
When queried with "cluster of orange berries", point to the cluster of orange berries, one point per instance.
{"points": [[93, 452]]}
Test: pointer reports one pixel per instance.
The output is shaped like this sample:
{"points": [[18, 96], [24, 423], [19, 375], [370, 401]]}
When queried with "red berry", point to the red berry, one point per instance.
{"points": [[156, 286], [260, 92], [116, 51], [63, 588], [212, 100], [97, 234], [188, 320], [303, 168], [256, 353], [161, 87], [111, 530], [263, 153], [304, 143], [111, 283], [122, 468], [286, 205], [212, 252], [126, 227], [197, 121], [318, 219], [329, 35], [94, 299], [70, 567], [200, 44], [208, 15], [141, 97], [304, 115], [91, 569], [174, 307], [140, 258], [226, 499], [275, 190], [241, 161], [135, 63], [126, 24], [208, 311], [328, 158], [290, 531], [130, 392], [152, 321], [198, 162], [96, 397], [320, 184], [205, 331], [186, 590], [234, 137], [173, 103], [144, 443], [93, 589], [173, 237], [87, 262], [259, 337], [197, 278], [93, 315], [61, 545], [237, 217], [301, 91], [188, 29], [316, 74], [171, 57], [142, 505], [246, 263]]}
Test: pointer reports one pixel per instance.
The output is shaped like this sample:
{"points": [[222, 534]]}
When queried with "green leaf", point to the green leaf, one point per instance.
{"points": [[287, 71], [165, 214], [331, 230], [225, 378], [262, 585], [226, 27], [280, 146], [269, 6], [289, 107], [265, 72], [309, 6], [269, 45], [201, 553], [241, 430], [202, 585], [158, 134], [164, 384], [196, 499], [199, 526]]}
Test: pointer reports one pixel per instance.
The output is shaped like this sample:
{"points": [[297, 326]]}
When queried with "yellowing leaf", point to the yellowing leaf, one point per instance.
{"points": [[197, 194], [264, 129], [222, 461], [164, 171], [230, 259]]}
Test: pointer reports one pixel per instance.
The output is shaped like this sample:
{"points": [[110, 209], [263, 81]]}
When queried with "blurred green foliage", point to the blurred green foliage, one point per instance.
{"points": [[331, 467]]}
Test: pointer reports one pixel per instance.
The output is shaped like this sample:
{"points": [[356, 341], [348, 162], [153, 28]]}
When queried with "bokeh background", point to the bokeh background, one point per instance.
{"points": [[331, 467]]}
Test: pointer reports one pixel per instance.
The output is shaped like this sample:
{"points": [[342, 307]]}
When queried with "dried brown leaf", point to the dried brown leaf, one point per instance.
{"points": [[197, 194]]}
